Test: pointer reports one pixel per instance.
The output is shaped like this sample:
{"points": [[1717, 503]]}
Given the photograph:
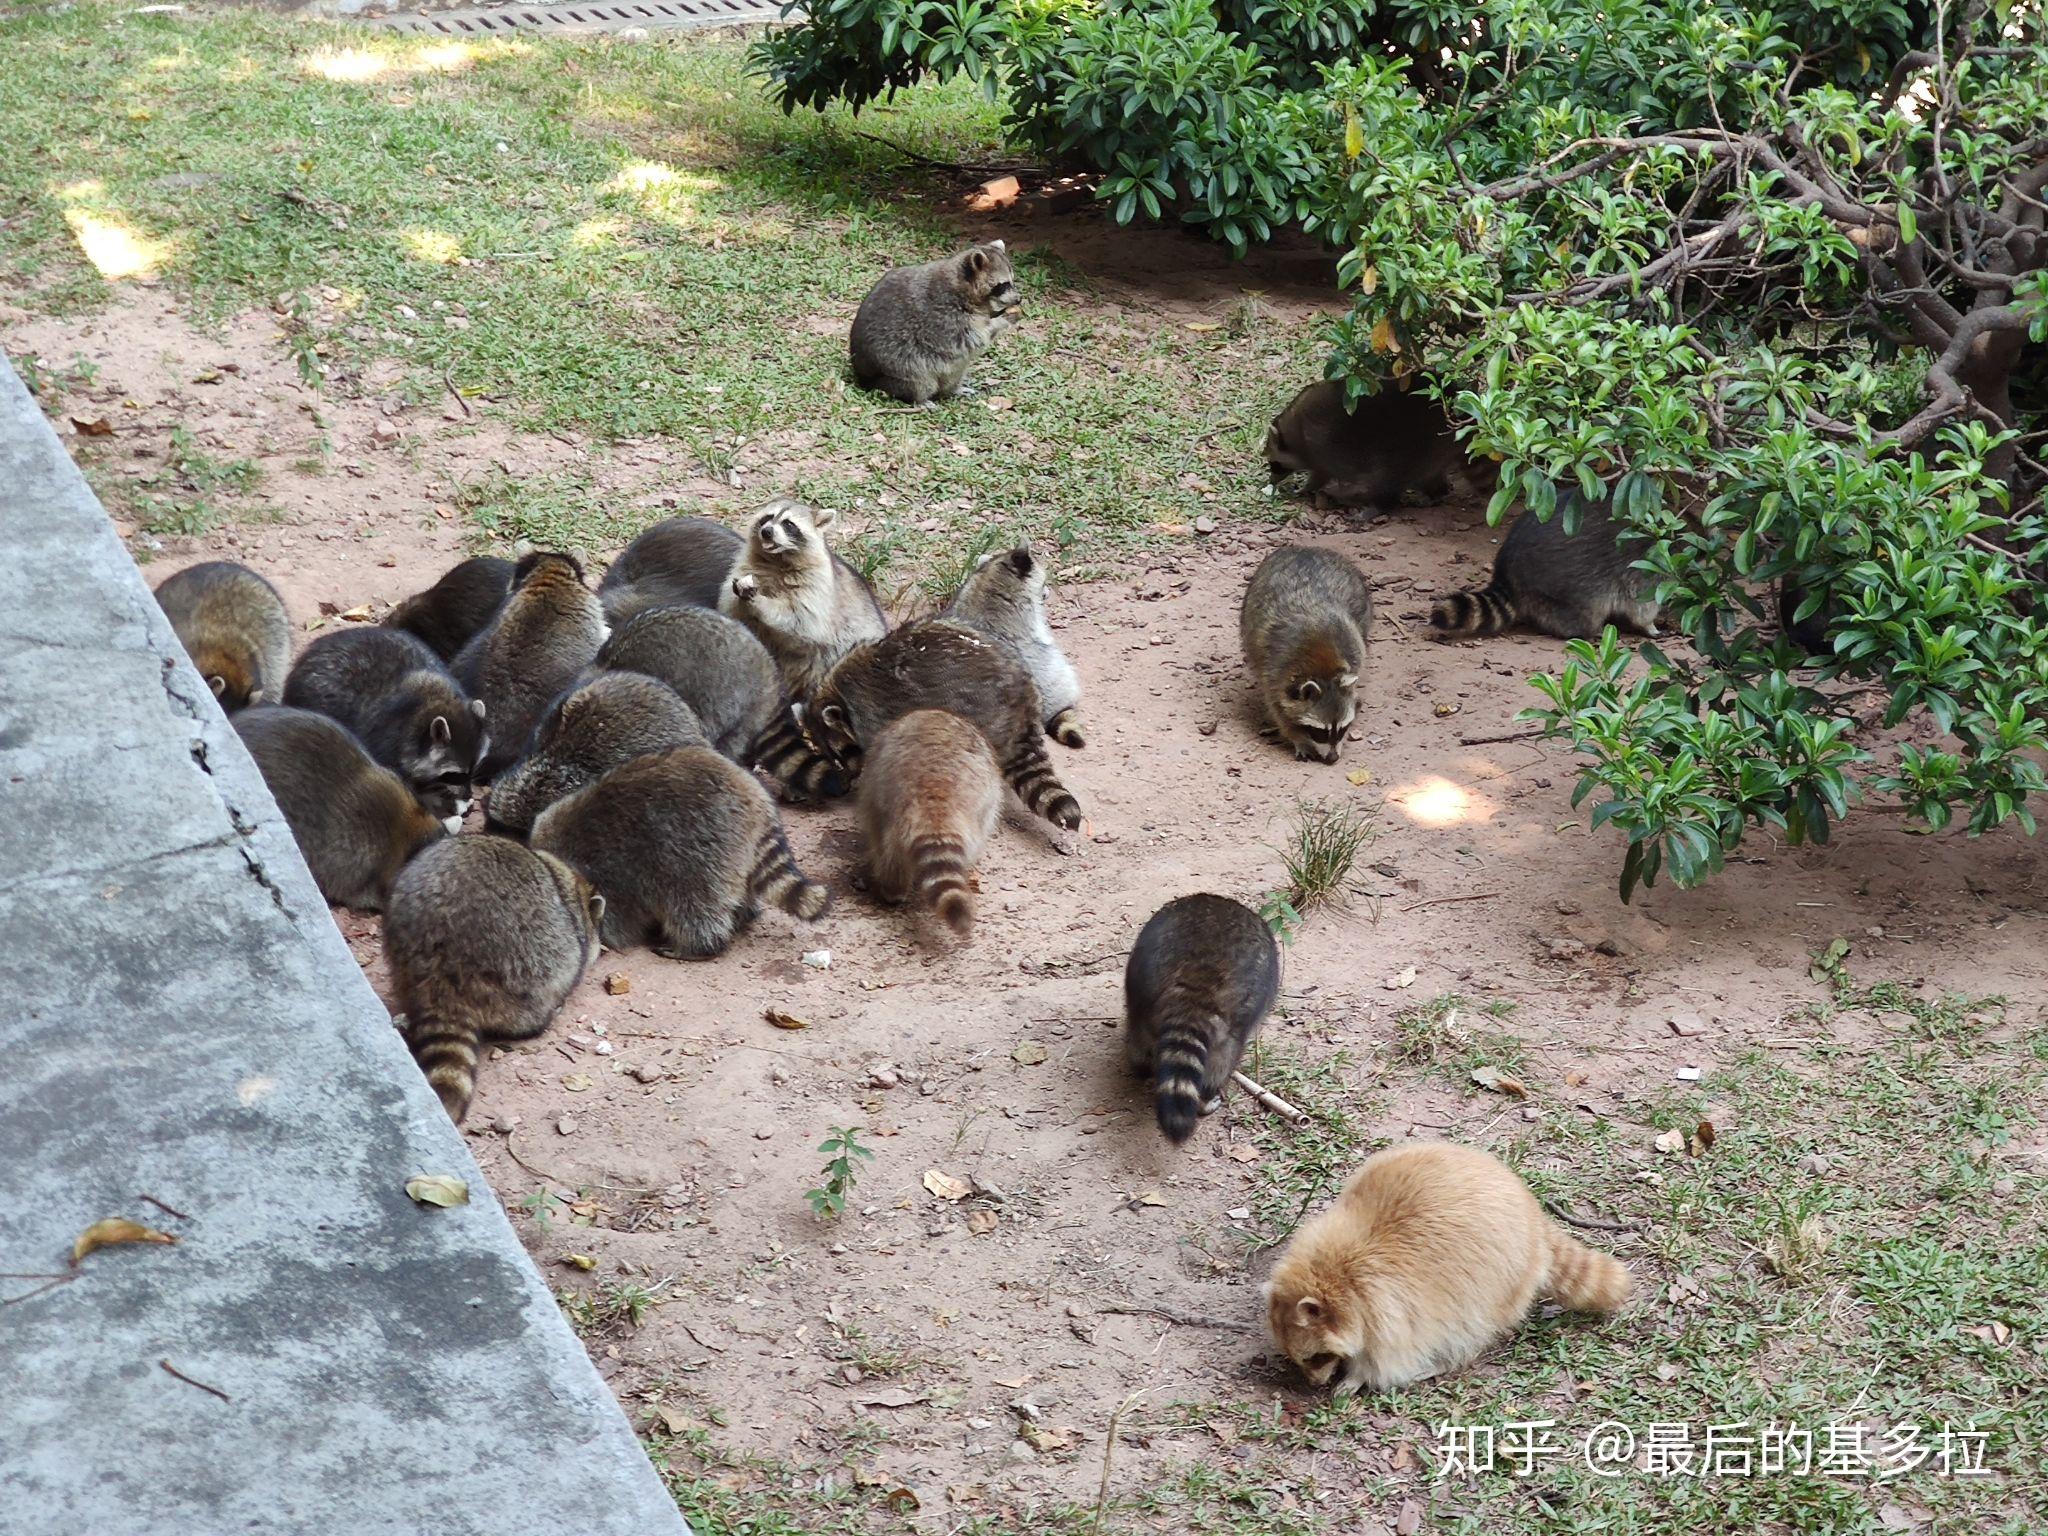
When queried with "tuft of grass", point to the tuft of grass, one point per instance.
{"points": [[194, 490], [1319, 855], [844, 1157], [614, 1307]]}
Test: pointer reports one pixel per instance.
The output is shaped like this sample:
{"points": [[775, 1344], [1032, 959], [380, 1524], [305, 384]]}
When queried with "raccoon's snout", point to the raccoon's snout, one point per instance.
{"points": [[1005, 298], [778, 536]]}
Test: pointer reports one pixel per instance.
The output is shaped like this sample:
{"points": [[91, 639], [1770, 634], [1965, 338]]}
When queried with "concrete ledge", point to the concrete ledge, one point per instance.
{"points": [[179, 1016]]}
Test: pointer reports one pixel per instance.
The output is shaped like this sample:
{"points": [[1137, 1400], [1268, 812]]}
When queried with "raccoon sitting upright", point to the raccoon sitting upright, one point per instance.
{"points": [[486, 940], [587, 732], [805, 604], [1200, 981], [1568, 585], [715, 666], [929, 800], [402, 704], [1370, 455], [1306, 619], [937, 664], [547, 632], [232, 624], [920, 328], [681, 562], [356, 823], [450, 613], [684, 846], [1004, 596]]}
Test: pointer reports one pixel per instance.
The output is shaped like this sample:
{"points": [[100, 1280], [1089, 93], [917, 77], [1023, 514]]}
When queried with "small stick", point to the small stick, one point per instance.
{"points": [[1590, 1223], [1109, 1449], [1286, 1111], [1494, 741], [202, 1386], [1444, 901], [449, 384], [160, 1205], [1186, 1319], [51, 1282]]}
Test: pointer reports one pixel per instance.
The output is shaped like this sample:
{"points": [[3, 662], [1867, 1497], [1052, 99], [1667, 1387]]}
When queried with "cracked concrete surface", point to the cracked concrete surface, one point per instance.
{"points": [[180, 1018]]}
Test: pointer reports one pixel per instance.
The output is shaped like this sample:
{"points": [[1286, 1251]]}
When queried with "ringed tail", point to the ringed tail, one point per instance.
{"points": [[799, 768], [1180, 1066], [446, 1052], [1029, 772], [776, 879], [938, 874], [1484, 611], [1065, 728], [1584, 1279]]}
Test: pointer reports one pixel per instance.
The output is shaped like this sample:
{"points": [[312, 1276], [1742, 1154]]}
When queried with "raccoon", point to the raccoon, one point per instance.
{"points": [[1571, 586], [799, 770], [392, 691], [920, 328], [715, 666], [1306, 618], [1809, 634], [1200, 981], [807, 605], [929, 800], [1371, 454], [232, 624], [937, 664], [685, 846], [547, 632], [1004, 596], [587, 732], [486, 940], [450, 613], [680, 563], [356, 823]]}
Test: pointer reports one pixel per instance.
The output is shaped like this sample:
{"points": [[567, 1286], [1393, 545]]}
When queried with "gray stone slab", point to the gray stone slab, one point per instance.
{"points": [[180, 1017]]}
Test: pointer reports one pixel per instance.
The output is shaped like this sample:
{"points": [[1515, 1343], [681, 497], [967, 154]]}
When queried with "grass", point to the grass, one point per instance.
{"points": [[613, 241], [614, 1307]]}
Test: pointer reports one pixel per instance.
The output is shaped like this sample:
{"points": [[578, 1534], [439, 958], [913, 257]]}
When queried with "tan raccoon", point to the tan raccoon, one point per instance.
{"points": [[486, 940], [356, 823], [808, 606], [684, 846], [1374, 453], [1306, 619], [449, 614], [1568, 585], [920, 328], [937, 664], [232, 624], [1004, 596], [547, 632], [930, 797], [1431, 1253]]}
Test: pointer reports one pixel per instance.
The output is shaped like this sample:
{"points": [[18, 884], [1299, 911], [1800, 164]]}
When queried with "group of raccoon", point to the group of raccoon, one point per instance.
{"points": [[617, 730]]}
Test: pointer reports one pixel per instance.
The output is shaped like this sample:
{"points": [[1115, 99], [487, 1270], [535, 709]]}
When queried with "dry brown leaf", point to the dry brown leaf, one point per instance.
{"points": [[945, 1186], [893, 1397], [1041, 1439], [1404, 978], [1243, 1152], [1574, 1079], [1671, 1141], [1149, 1197], [1202, 326], [578, 1082], [1029, 1053], [783, 1020], [360, 614], [92, 426], [1358, 776], [1499, 1082], [901, 1500], [1702, 1139], [116, 1229], [981, 1223], [442, 1189], [582, 1261]]}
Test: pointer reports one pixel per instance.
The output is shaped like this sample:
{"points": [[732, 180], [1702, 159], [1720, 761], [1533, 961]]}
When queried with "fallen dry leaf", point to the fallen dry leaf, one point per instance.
{"points": [[945, 1186], [1574, 1079], [783, 1020], [981, 1223], [1410, 1519], [1405, 978], [582, 1261], [893, 1397], [1202, 326], [92, 426], [116, 1229], [1672, 1142], [442, 1189], [1703, 1138], [1148, 1197], [360, 614], [1042, 1439], [1358, 776], [1499, 1082], [901, 1500], [1243, 1152], [578, 1082], [1028, 1053]]}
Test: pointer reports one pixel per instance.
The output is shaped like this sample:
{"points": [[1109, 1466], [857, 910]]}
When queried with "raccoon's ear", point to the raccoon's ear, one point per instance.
{"points": [[219, 685], [975, 262], [1308, 690], [823, 517], [833, 718], [439, 732], [476, 707], [1020, 560], [1308, 1312], [596, 909], [996, 245], [1348, 680], [259, 695]]}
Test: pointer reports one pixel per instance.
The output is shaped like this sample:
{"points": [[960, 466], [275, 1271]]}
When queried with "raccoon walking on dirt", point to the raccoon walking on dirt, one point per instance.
{"points": [[1568, 585], [920, 328], [685, 847], [450, 613], [1200, 981], [930, 797], [1004, 596], [1373, 453], [547, 632], [585, 734], [1305, 623], [681, 562], [803, 602], [486, 940], [233, 625]]}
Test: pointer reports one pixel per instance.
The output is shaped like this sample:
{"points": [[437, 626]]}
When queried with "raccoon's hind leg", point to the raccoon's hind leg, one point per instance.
{"points": [[1029, 772], [1065, 728], [799, 770], [703, 936]]}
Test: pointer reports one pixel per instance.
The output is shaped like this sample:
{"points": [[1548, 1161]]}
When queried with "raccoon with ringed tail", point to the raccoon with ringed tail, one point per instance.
{"points": [[450, 613], [920, 328], [1004, 596], [486, 940], [803, 602], [233, 625], [1372, 453], [930, 797], [587, 732], [547, 632], [1200, 981], [1305, 622], [1569, 585]]}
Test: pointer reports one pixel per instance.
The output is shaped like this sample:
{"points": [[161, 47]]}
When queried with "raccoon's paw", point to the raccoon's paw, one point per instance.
{"points": [[1065, 728], [1213, 1105], [745, 588]]}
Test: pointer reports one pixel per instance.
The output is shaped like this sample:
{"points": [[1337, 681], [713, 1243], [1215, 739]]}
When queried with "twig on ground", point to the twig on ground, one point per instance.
{"points": [[50, 1283], [202, 1386], [1286, 1111], [1494, 741], [160, 1205], [1186, 1319], [450, 386], [965, 167], [1109, 1450], [1590, 1223], [1444, 901]]}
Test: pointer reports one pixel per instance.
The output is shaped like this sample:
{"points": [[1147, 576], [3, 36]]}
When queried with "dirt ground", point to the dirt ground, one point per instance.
{"points": [[680, 1125]]}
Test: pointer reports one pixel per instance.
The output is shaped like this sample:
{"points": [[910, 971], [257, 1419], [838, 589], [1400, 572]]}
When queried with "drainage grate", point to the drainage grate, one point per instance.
{"points": [[588, 18]]}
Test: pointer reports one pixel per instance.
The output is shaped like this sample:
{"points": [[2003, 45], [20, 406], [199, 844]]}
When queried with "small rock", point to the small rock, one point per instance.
{"points": [[1568, 908], [618, 984], [883, 1077], [818, 959], [1564, 949], [1205, 525], [1687, 1074], [763, 1132], [504, 1125], [1685, 1024], [2004, 1187], [566, 1126], [647, 1072], [631, 34], [384, 432], [1206, 728], [1019, 1451]]}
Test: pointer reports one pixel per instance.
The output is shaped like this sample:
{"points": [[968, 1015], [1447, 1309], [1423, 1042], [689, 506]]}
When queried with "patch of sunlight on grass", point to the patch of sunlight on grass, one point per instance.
{"points": [[348, 66], [593, 233], [435, 245], [662, 190], [446, 58], [115, 250]]}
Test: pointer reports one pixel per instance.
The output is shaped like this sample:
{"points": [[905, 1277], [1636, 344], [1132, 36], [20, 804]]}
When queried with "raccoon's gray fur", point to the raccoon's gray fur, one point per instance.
{"points": [[486, 939], [808, 606], [1387, 445], [1004, 596], [920, 327], [937, 664], [403, 706], [232, 624], [1200, 981], [356, 823], [1571, 586], [1306, 619], [455, 609], [547, 632], [587, 732], [683, 562], [930, 797], [684, 846], [715, 666]]}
